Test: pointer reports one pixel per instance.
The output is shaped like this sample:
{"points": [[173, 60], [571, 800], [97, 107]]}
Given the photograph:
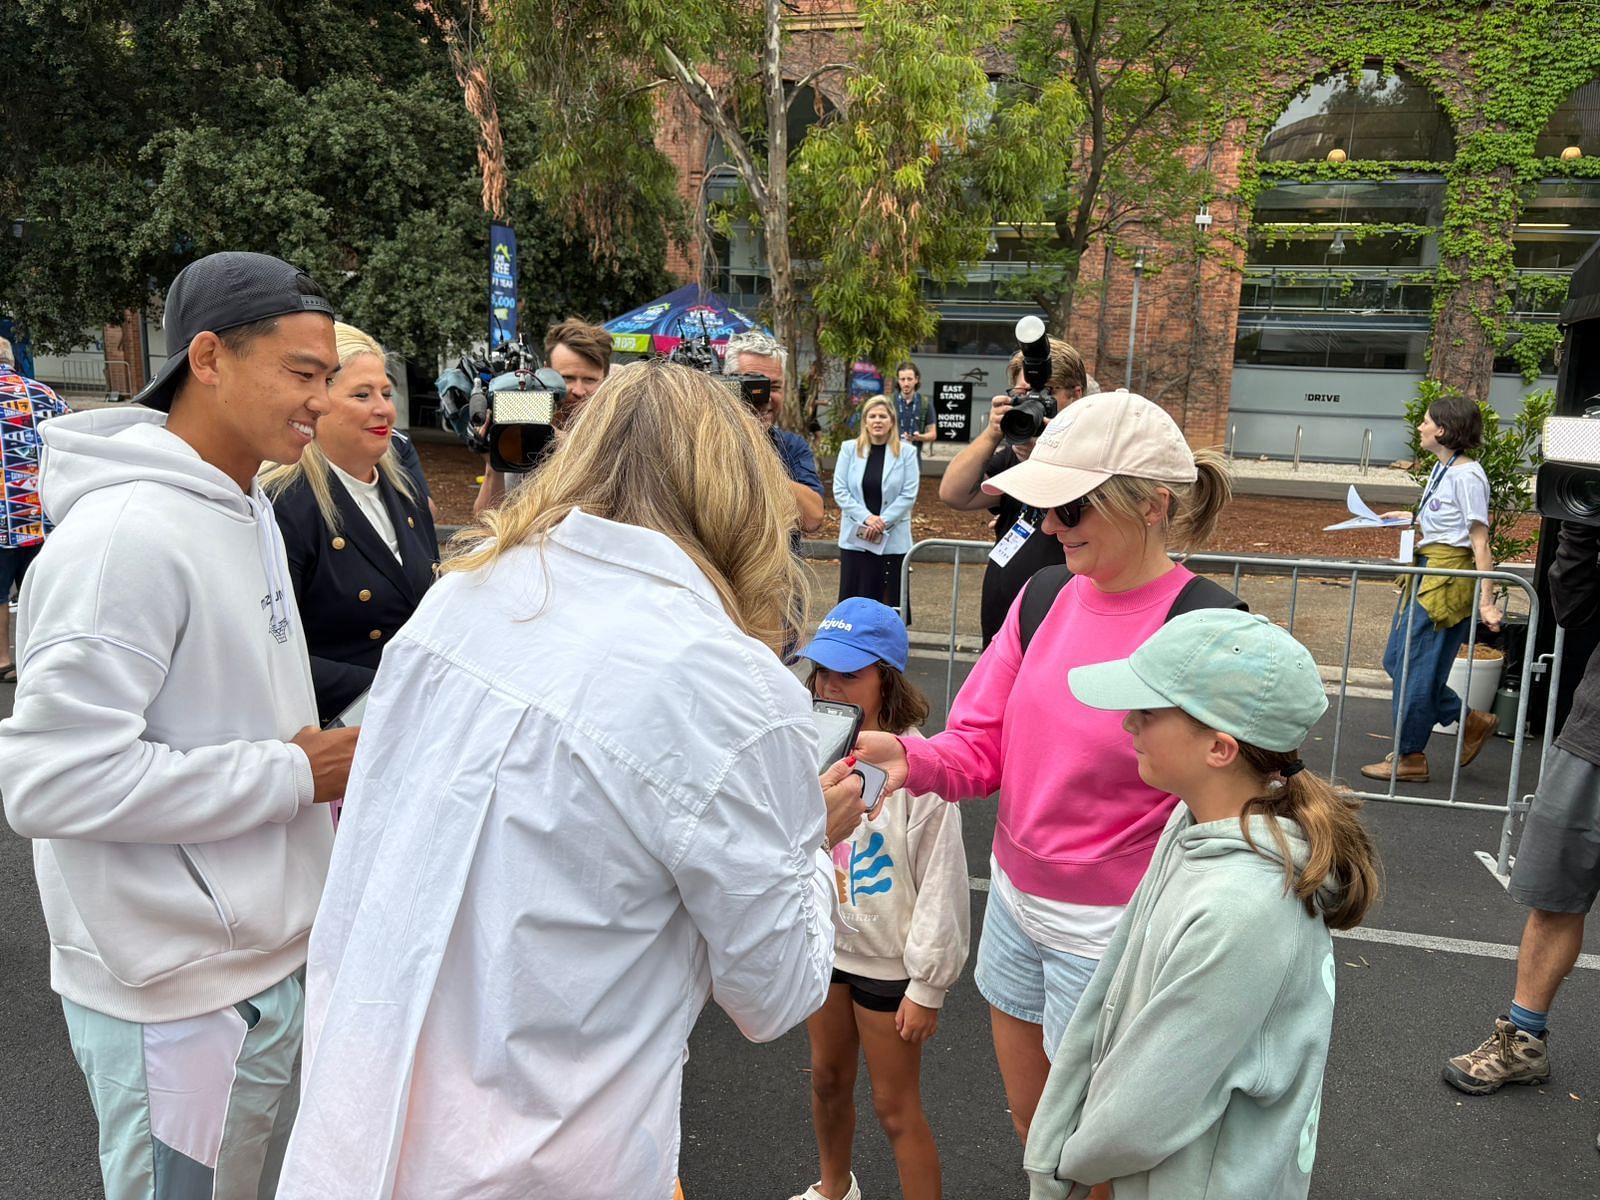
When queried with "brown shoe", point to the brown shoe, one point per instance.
{"points": [[1479, 726], [1413, 768], [1511, 1055]]}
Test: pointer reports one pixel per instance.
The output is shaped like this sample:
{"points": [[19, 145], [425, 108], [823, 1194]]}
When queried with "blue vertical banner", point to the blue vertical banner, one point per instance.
{"points": [[502, 285]]}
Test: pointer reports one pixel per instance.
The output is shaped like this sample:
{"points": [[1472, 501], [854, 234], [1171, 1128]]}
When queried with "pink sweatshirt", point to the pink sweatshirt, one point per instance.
{"points": [[1076, 822]]}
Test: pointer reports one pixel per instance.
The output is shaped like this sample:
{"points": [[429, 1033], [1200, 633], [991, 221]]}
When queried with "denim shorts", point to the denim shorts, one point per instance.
{"points": [[1026, 980]]}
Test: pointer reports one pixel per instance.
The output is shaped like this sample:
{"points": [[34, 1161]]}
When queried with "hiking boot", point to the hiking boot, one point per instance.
{"points": [[1413, 768], [1512, 1055], [1480, 725]]}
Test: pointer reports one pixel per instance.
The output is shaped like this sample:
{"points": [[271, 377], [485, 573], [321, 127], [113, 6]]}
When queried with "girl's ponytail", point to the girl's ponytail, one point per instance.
{"points": [[1341, 857]]}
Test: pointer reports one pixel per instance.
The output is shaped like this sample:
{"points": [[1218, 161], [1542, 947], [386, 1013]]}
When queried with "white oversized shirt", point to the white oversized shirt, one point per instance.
{"points": [[582, 800]]}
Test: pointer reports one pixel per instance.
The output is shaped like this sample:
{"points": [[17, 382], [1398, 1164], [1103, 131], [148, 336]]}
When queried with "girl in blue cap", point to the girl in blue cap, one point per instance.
{"points": [[1193, 1064], [901, 928]]}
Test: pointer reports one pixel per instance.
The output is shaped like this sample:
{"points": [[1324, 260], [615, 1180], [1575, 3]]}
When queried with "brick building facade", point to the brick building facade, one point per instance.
{"points": [[1323, 334]]}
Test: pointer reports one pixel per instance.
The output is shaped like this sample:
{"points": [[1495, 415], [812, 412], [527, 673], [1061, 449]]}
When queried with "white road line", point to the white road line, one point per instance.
{"points": [[1424, 941], [1411, 941]]}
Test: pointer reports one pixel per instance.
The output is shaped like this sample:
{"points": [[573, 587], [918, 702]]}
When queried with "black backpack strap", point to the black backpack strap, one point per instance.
{"points": [[1201, 592], [1038, 594]]}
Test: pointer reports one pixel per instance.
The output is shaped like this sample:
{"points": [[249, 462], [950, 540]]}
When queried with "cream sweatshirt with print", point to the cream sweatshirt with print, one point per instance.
{"points": [[904, 912]]}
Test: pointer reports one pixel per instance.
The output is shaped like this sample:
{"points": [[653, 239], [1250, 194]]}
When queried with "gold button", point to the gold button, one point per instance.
{"points": [[338, 543], [364, 595], [375, 634], [411, 521]]}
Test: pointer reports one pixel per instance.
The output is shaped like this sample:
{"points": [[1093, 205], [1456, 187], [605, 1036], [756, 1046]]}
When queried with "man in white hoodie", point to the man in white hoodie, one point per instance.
{"points": [[162, 751]]}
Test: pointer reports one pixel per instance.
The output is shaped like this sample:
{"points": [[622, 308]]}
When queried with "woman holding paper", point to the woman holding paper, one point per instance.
{"points": [[875, 483], [1435, 612]]}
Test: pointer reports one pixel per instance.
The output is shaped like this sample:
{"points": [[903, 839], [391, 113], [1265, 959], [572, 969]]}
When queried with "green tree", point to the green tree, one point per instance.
{"points": [[895, 185], [1153, 77], [596, 73], [144, 135]]}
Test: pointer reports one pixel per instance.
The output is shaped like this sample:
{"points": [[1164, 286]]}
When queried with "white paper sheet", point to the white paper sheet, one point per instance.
{"points": [[1364, 517]]}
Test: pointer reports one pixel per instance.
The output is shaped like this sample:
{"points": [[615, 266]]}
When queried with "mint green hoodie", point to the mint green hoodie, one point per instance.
{"points": [[1192, 1067]]}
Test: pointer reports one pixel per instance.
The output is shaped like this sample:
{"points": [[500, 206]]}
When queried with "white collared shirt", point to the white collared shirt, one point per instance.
{"points": [[582, 801], [369, 499]]}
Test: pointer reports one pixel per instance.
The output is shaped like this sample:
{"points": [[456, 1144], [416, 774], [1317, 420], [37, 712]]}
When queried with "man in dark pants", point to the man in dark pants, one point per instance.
{"points": [[1557, 872], [1021, 547]]}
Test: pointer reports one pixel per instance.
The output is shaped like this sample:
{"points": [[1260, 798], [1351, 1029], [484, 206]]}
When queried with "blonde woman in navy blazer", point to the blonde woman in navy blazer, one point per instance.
{"points": [[356, 528], [875, 481]]}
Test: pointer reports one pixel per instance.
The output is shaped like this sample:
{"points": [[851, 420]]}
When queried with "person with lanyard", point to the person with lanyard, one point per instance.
{"points": [[875, 482], [912, 410], [356, 527], [1022, 548], [1434, 612]]}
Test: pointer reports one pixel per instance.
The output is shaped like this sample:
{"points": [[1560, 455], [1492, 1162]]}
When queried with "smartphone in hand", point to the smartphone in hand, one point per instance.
{"points": [[837, 725]]}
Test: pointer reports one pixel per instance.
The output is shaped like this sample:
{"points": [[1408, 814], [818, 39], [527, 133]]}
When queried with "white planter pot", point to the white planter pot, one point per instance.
{"points": [[1477, 680]]}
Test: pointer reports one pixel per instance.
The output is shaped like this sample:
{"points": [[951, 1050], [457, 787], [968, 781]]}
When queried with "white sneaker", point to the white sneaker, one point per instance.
{"points": [[811, 1192]]}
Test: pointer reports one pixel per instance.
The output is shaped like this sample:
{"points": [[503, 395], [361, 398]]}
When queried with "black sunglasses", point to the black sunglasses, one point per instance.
{"points": [[1070, 513]]}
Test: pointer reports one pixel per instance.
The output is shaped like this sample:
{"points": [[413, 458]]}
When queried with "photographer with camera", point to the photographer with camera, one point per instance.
{"points": [[581, 354], [1557, 869], [754, 352], [1021, 545]]}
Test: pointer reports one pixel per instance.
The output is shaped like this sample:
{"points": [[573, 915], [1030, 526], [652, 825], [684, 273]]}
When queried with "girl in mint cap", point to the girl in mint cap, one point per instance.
{"points": [[1215, 997], [900, 927]]}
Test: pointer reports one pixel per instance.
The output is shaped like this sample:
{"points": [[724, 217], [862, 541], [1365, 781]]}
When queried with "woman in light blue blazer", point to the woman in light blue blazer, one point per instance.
{"points": [[875, 483]]}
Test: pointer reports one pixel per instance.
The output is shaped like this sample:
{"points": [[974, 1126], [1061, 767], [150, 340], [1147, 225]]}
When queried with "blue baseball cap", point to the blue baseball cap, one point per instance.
{"points": [[857, 633], [1233, 671]]}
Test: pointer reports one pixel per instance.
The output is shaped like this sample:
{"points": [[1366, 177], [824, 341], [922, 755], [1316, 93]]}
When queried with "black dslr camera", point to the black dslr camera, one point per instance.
{"points": [[699, 354], [1567, 486], [504, 405], [1032, 410]]}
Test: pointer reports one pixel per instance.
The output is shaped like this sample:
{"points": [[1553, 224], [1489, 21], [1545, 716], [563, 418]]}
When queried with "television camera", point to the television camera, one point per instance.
{"points": [[503, 405], [1567, 486], [699, 354]]}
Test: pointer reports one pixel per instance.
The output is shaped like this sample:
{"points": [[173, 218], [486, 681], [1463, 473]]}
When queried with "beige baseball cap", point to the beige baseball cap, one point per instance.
{"points": [[1106, 434]]}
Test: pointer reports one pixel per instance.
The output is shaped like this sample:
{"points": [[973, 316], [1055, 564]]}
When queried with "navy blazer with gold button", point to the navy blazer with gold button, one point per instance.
{"points": [[352, 592]]}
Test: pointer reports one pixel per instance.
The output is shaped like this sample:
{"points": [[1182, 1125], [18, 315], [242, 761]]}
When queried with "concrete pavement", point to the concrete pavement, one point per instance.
{"points": [[1390, 1128]]}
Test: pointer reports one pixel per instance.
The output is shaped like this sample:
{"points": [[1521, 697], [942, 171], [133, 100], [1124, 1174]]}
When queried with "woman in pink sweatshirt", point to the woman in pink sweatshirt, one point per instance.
{"points": [[1118, 487]]}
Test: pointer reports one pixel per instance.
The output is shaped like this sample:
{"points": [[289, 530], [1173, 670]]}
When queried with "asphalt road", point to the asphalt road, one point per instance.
{"points": [[1390, 1128]]}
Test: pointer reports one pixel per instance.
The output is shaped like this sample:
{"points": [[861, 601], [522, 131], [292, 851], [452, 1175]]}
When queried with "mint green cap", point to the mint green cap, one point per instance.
{"points": [[1235, 672]]}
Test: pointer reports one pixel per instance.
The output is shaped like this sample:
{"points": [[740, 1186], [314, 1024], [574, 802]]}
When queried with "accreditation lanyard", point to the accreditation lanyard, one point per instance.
{"points": [[1433, 485]]}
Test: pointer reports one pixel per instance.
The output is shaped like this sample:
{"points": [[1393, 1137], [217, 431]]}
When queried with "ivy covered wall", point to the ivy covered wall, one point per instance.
{"points": [[1499, 71]]}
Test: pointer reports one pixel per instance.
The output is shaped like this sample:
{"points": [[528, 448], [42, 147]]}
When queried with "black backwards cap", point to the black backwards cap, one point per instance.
{"points": [[224, 291]]}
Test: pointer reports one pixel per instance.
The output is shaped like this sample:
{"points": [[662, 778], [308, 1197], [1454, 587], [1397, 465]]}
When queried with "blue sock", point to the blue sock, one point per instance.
{"points": [[1529, 1021]]}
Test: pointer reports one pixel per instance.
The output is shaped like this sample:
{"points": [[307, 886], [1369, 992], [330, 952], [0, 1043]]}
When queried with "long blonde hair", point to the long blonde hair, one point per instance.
{"points": [[313, 465], [863, 442], [669, 449]]}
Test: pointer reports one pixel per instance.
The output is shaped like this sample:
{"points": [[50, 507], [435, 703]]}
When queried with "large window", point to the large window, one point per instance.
{"points": [[1371, 116], [1331, 343], [1303, 224], [1575, 123], [1338, 272]]}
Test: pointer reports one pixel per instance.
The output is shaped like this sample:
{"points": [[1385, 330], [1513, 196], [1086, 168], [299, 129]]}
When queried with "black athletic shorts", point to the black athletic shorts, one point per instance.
{"points": [[875, 995]]}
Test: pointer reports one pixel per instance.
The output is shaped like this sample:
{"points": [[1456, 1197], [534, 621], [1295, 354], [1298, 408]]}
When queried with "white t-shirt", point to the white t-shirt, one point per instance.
{"points": [[1081, 929], [1454, 498], [370, 502]]}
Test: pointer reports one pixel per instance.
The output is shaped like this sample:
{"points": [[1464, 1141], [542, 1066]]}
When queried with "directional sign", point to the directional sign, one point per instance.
{"points": [[952, 409]]}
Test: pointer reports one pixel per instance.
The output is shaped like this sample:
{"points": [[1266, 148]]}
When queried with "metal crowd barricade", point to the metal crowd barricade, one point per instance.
{"points": [[1354, 573]]}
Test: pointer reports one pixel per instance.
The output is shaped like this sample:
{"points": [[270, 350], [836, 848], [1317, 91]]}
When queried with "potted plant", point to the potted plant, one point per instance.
{"points": [[1509, 456]]}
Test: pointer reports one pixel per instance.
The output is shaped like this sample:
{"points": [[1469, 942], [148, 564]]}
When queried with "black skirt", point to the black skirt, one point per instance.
{"points": [[874, 576]]}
